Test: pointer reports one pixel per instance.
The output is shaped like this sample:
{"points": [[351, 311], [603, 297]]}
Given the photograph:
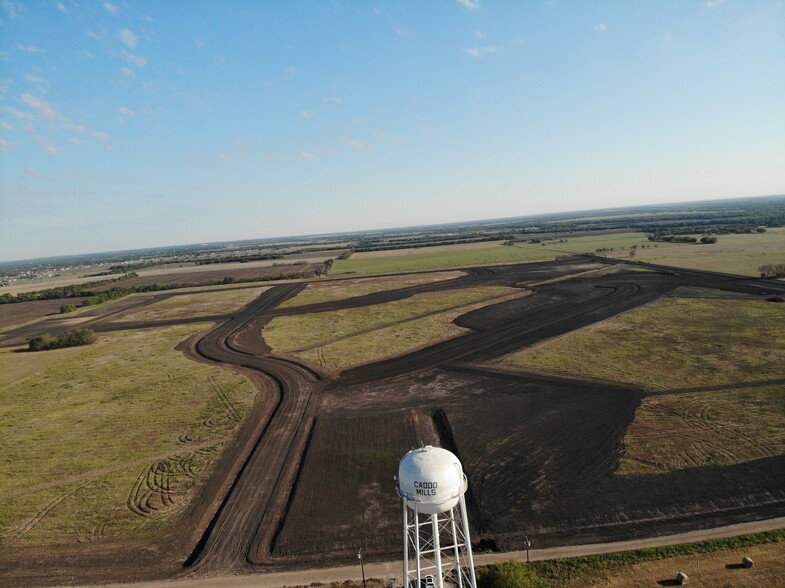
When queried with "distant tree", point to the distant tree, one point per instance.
{"points": [[228, 280], [771, 270], [83, 336], [66, 308], [708, 240]]}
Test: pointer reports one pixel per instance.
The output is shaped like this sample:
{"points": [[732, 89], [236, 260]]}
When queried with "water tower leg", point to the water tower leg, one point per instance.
{"points": [[456, 548], [417, 544], [437, 549], [467, 541], [405, 543]]}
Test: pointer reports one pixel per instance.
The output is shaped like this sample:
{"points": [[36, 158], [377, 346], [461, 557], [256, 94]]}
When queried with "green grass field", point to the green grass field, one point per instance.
{"points": [[673, 343], [342, 338], [674, 346], [733, 254], [194, 305], [340, 290], [738, 254], [441, 257], [82, 428]]}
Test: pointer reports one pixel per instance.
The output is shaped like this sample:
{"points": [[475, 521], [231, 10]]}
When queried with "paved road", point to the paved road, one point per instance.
{"points": [[393, 569]]}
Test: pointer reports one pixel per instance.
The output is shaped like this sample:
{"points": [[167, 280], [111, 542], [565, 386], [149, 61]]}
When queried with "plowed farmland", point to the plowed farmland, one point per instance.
{"points": [[309, 476]]}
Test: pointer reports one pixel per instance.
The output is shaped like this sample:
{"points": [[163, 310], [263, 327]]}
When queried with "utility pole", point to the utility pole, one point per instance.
{"points": [[362, 566], [528, 545]]}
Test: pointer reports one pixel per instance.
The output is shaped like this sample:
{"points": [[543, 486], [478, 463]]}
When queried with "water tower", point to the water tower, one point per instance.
{"points": [[437, 551]]}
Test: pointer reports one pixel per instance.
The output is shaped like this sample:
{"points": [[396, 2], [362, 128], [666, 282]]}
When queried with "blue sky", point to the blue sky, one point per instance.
{"points": [[130, 124]]}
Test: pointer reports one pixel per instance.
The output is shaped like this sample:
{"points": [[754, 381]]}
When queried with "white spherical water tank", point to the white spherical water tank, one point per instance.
{"points": [[433, 478]]}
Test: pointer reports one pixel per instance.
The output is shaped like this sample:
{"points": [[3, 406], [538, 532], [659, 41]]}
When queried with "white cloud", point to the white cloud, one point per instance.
{"points": [[61, 7], [123, 111], [34, 79], [290, 72], [469, 4], [306, 114], [714, 3], [135, 60], [110, 7], [356, 144], [480, 51], [403, 33], [601, 27], [12, 8], [100, 135], [128, 38], [6, 125], [29, 48], [479, 35], [6, 146], [127, 72], [41, 106], [97, 36], [86, 55], [332, 99], [200, 43], [305, 155], [75, 140], [52, 149]]}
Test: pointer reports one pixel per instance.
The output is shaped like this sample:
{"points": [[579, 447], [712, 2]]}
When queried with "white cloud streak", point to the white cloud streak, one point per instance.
{"points": [[110, 7], [29, 48], [601, 27], [469, 4], [481, 51], [128, 38]]}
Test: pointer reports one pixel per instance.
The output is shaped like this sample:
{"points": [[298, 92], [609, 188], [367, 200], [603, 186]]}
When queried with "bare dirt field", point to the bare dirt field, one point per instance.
{"points": [[23, 312], [311, 466], [207, 275]]}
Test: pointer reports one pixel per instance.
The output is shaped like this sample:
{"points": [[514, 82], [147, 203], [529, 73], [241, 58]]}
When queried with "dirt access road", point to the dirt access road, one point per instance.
{"points": [[237, 517]]}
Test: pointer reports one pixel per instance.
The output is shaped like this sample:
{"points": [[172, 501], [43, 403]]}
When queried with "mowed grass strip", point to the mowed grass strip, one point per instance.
{"points": [[674, 343], [342, 289], [194, 305], [82, 426], [342, 338], [677, 346], [733, 254], [439, 257], [678, 431]]}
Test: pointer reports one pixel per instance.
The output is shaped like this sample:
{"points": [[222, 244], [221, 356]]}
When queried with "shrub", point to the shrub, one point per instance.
{"points": [[83, 336], [509, 574], [66, 308]]}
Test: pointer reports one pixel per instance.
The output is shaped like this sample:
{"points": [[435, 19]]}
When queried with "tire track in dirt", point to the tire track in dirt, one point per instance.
{"points": [[16, 532]]}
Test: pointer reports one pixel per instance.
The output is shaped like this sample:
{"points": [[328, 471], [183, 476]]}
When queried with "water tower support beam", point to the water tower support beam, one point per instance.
{"points": [[437, 550], [456, 545], [466, 541], [406, 542]]}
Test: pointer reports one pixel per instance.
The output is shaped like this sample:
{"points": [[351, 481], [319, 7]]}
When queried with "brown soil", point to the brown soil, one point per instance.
{"points": [[213, 274], [24, 312], [318, 453]]}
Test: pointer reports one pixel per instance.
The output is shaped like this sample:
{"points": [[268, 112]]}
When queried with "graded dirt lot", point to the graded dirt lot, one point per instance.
{"points": [[312, 463], [23, 312]]}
